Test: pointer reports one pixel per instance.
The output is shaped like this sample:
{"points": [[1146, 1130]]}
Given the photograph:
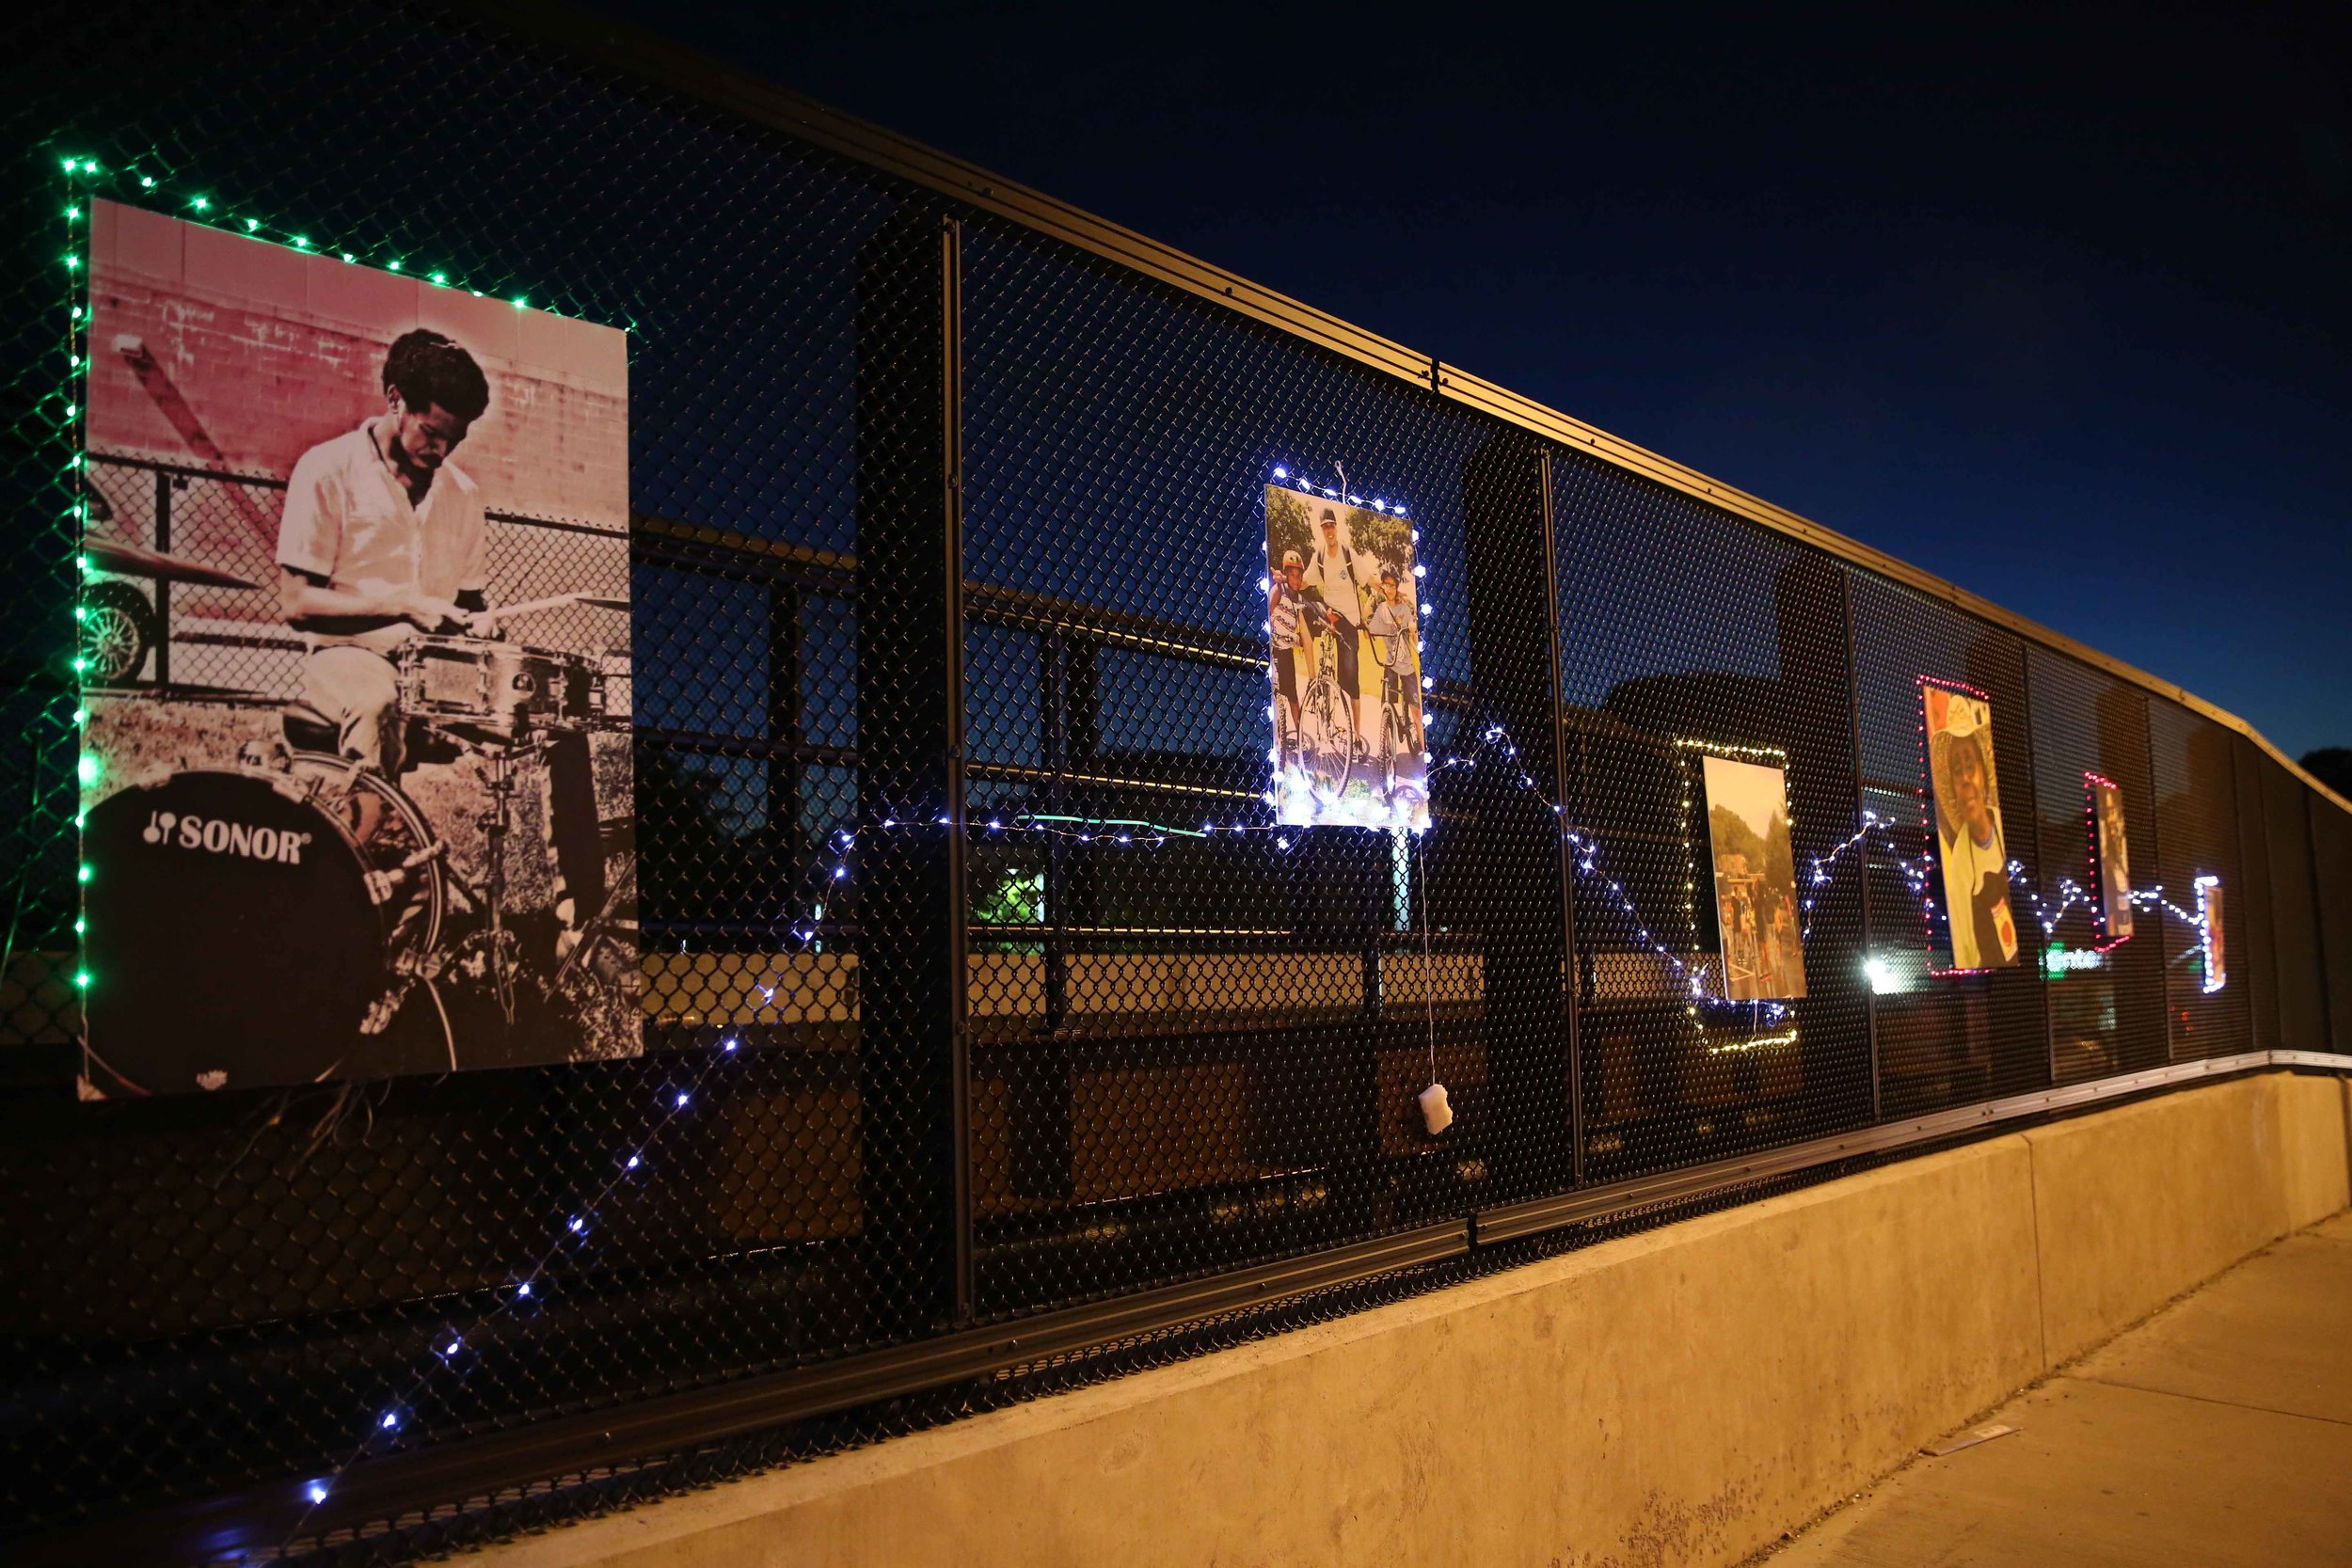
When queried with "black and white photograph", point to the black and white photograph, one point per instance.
{"points": [[356, 784]]}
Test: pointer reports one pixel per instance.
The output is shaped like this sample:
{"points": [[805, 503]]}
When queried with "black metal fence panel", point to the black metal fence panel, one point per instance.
{"points": [[979, 986], [2107, 1001], [2295, 931], [2258, 934], [1686, 633], [2199, 866], [1190, 1043], [1943, 1039], [2331, 858]]}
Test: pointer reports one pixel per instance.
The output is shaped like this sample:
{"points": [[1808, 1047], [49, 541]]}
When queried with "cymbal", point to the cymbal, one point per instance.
{"points": [[136, 560]]}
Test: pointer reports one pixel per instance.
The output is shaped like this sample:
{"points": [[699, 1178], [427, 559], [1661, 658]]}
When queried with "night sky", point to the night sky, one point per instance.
{"points": [[2059, 309]]}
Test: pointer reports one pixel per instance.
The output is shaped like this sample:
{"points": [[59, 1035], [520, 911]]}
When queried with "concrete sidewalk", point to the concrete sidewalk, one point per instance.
{"points": [[2218, 1432]]}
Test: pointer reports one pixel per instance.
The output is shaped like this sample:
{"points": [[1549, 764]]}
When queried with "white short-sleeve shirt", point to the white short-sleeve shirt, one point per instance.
{"points": [[348, 519]]}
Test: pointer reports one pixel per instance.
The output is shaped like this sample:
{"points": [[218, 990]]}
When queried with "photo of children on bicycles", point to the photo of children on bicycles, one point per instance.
{"points": [[1343, 623]]}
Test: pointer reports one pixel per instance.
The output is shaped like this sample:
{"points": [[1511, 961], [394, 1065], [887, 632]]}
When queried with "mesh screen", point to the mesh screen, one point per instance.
{"points": [[2259, 936], [990, 989], [2287, 813], [2332, 857], [1683, 631], [2197, 836], [1190, 1048], [2109, 1018], [1950, 1040]]}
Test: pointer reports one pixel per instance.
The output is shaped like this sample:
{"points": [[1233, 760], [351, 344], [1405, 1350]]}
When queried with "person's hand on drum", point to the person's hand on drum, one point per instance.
{"points": [[484, 625]]}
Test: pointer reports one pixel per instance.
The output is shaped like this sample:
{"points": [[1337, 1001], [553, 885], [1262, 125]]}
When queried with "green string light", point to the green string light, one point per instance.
{"points": [[78, 167]]}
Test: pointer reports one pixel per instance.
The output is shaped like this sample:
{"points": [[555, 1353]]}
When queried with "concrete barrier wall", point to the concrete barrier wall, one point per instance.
{"points": [[1679, 1396]]}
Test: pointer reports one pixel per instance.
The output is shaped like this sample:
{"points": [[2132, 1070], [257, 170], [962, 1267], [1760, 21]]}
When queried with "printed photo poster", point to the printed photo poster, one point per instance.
{"points": [[1344, 629], [2210, 923], [2112, 861], [1759, 928], [1970, 848], [355, 644]]}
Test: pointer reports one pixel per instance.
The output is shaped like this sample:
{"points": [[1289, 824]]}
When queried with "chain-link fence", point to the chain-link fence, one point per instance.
{"points": [[994, 1034]]}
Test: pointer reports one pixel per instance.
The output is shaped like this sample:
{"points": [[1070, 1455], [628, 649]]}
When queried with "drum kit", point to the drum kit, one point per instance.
{"points": [[269, 921]]}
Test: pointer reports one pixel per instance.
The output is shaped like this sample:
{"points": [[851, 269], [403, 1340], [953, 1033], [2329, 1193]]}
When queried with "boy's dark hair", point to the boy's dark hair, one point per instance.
{"points": [[428, 370]]}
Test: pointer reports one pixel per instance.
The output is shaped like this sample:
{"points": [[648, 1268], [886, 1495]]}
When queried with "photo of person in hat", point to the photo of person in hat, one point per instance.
{"points": [[1969, 844]]}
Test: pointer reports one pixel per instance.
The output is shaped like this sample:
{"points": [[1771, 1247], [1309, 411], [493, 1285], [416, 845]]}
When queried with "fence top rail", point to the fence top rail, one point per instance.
{"points": [[633, 52], [278, 481]]}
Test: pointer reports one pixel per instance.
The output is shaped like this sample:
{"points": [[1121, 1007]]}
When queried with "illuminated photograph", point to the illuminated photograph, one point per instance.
{"points": [[1971, 852], [2210, 924], [355, 657], [1343, 621], [1759, 928], [2111, 862]]}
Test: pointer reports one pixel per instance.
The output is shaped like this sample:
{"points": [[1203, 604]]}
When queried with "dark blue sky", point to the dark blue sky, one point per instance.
{"points": [[2057, 307]]}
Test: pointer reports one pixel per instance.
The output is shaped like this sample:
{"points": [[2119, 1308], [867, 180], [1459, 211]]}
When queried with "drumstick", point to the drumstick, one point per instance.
{"points": [[554, 601]]}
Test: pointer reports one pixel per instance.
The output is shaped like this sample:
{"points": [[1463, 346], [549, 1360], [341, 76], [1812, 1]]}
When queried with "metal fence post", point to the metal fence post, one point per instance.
{"points": [[163, 585], [1532, 1125], [914, 1065], [1572, 993]]}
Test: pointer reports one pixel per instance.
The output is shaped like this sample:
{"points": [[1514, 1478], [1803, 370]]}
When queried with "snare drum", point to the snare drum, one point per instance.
{"points": [[502, 686]]}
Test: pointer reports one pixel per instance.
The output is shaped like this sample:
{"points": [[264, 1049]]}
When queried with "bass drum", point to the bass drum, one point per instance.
{"points": [[240, 935]]}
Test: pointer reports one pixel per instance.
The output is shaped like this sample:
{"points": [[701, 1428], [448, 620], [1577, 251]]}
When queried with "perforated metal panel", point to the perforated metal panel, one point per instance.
{"points": [[2287, 812], [1943, 1041], [2107, 1018], [2197, 836], [1192, 1045], [1683, 633]]}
